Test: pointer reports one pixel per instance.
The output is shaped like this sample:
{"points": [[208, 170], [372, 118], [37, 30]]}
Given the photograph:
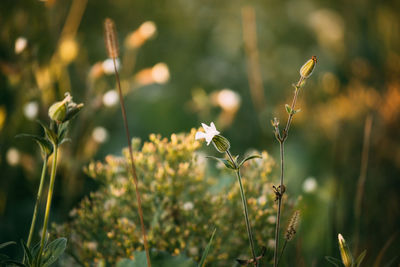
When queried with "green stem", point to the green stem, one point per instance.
{"points": [[245, 211], [48, 204], [282, 138], [283, 249], [38, 197]]}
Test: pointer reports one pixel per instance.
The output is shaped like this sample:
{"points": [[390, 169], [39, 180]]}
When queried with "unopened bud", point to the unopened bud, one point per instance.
{"points": [[58, 111], [221, 143], [347, 258], [308, 67]]}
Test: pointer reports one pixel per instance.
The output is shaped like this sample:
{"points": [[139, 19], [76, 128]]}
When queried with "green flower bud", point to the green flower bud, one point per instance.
{"points": [[347, 258], [221, 143], [308, 67], [58, 111]]}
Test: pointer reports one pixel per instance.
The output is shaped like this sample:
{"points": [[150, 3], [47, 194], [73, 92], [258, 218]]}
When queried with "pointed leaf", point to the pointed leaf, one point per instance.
{"points": [[360, 258], [205, 253], [334, 261], [6, 244], [50, 134], [65, 140], [27, 252], [62, 131], [44, 144], [53, 251], [288, 109], [227, 163], [249, 158]]}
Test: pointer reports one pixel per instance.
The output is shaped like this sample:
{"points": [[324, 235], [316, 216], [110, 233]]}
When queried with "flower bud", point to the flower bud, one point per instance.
{"points": [[347, 258], [58, 111], [308, 67], [221, 143]]}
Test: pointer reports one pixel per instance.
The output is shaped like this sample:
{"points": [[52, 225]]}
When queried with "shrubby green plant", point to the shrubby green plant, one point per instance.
{"points": [[184, 201]]}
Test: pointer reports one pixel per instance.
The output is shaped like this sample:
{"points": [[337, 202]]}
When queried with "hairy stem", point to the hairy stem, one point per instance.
{"points": [[133, 168], [245, 211], [282, 138], [48, 204], [38, 197]]}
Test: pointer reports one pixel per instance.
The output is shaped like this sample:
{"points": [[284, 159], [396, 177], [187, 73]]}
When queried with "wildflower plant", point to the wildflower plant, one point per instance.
{"points": [[347, 258], [223, 145], [45, 253], [305, 72]]}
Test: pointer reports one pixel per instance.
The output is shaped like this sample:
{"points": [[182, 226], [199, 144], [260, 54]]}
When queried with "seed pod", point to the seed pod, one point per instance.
{"points": [[110, 38], [221, 143], [308, 67]]}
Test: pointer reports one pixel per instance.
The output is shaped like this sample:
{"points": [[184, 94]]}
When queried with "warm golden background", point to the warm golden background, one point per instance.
{"points": [[231, 62]]}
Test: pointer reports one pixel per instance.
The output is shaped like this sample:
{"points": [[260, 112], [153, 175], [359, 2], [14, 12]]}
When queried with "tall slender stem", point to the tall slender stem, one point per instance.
{"points": [[49, 198], [281, 139], [133, 168], [245, 211], [38, 197]]}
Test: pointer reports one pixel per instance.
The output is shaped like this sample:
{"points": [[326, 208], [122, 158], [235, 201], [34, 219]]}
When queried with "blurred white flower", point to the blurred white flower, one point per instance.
{"points": [[31, 110], [20, 45], [147, 29], [13, 156], [211, 131], [100, 134], [110, 98], [108, 65], [228, 100], [160, 73], [309, 185]]}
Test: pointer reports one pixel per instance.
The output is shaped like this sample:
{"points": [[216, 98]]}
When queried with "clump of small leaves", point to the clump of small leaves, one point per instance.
{"points": [[183, 205]]}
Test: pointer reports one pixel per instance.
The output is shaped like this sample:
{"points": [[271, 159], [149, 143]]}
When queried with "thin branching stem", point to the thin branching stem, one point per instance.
{"points": [[38, 197], [49, 199], [281, 139], [133, 168], [245, 210], [283, 249]]}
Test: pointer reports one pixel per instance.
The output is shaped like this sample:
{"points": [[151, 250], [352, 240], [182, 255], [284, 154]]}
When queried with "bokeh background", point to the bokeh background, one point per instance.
{"points": [[231, 62]]}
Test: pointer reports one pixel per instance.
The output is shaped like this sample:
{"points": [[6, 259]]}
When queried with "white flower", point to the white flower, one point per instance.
{"points": [[211, 131]]}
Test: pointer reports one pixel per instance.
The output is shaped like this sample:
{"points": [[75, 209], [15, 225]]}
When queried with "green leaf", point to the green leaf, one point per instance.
{"points": [[158, 259], [205, 253], [50, 134], [227, 163], [27, 252], [9, 262], [334, 261], [360, 258], [249, 158], [6, 244], [53, 251], [288, 109], [62, 131], [44, 144]]}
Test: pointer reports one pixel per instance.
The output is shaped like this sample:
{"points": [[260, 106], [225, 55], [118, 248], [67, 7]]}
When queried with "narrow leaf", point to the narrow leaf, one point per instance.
{"points": [[205, 253], [43, 143], [53, 251], [360, 258], [288, 109], [227, 163], [249, 158], [27, 252], [334, 261], [6, 244], [51, 135]]}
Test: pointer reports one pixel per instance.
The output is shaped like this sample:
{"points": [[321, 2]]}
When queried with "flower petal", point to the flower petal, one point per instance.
{"points": [[200, 135]]}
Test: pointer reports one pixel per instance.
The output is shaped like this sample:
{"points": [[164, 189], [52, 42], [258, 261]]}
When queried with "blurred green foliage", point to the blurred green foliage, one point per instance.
{"points": [[201, 42]]}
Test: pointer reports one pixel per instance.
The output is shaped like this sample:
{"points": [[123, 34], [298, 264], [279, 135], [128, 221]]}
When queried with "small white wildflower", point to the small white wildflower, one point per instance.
{"points": [[13, 156], [262, 200], [271, 219], [110, 98], [100, 134], [211, 131]]}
